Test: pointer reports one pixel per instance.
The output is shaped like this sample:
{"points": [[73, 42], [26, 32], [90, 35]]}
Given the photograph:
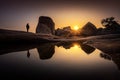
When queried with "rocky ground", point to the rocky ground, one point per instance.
{"points": [[12, 36], [107, 45]]}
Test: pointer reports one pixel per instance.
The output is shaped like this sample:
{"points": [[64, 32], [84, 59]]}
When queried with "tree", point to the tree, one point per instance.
{"points": [[110, 23]]}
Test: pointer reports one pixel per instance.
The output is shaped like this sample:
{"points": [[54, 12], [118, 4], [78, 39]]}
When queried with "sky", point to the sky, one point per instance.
{"points": [[15, 14]]}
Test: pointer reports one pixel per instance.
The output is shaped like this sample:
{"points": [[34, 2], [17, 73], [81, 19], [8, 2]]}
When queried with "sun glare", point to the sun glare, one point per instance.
{"points": [[76, 45], [76, 28]]}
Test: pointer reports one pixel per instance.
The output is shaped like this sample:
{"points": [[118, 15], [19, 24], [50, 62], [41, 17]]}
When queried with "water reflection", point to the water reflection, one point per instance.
{"points": [[28, 54], [87, 49], [115, 57], [66, 45], [47, 50], [105, 56]]}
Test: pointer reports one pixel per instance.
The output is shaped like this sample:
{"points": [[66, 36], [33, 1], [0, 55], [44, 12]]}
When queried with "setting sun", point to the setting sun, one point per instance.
{"points": [[76, 28]]}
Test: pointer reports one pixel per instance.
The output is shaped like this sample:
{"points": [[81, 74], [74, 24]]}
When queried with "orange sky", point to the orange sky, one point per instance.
{"points": [[15, 14]]}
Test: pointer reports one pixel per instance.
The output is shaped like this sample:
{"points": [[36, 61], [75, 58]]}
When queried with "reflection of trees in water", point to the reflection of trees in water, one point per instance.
{"points": [[116, 59], [46, 51], [112, 55]]}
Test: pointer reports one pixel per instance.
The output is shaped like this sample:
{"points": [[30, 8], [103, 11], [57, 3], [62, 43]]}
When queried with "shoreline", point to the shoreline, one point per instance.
{"points": [[13, 36]]}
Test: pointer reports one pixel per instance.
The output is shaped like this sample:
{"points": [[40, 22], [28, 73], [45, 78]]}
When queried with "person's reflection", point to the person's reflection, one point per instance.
{"points": [[28, 54], [46, 51], [87, 49]]}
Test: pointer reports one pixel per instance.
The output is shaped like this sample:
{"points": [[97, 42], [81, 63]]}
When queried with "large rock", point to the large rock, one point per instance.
{"points": [[88, 30], [42, 28], [45, 25], [66, 31]]}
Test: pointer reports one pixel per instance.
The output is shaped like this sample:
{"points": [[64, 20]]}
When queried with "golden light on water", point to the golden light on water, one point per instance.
{"points": [[76, 55], [76, 45]]}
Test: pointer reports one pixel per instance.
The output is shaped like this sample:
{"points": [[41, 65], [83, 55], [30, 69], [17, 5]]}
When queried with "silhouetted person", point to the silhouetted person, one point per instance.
{"points": [[27, 27], [28, 54]]}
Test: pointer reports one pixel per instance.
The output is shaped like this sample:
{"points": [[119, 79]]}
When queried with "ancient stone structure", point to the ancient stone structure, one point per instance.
{"points": [[45, 25]]}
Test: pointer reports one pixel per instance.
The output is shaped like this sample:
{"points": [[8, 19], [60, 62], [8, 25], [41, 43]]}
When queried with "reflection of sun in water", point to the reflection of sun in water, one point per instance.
{"points": [[76, 28], [76, 45]]}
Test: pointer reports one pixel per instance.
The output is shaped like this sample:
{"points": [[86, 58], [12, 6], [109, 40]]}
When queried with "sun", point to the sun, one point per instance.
{"points": [[76, 28]]}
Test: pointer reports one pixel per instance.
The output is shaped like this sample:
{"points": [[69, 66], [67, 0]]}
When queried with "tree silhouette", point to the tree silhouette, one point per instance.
{"points": [[110, 23]]}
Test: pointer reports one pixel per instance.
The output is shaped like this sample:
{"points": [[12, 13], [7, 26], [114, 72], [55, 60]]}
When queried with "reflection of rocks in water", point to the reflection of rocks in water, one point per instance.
{"points": [[46, 51], [109, 47], [87, 49], [114, 57], [105, 56], [66, 45], [113, 50]]}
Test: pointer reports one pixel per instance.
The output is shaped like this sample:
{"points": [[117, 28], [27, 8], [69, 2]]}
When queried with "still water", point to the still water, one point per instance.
{"points": [[57, 61]]}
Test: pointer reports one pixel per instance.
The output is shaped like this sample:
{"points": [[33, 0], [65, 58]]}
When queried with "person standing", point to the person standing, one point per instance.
{"points": [[27, 27]]}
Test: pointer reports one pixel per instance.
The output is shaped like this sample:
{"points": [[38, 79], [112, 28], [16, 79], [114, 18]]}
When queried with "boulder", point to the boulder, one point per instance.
{"points": [[43, 29], [65, 32], [88, 30], [45, 25]]}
